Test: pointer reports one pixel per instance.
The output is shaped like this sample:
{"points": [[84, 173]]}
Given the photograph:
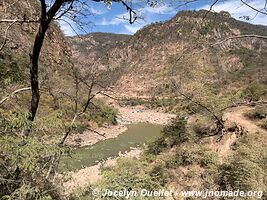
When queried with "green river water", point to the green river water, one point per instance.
{"points": [[136, 135]]}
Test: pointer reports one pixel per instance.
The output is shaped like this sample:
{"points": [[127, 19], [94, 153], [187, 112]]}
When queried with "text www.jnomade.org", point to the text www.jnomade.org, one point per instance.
{"points": [[168, 193]]}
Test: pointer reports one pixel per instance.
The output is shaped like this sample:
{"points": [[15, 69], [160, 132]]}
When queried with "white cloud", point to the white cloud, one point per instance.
{"points": [[133, 28], [159, 9], [95, 11], [237, 9], [118, 19], [145, 15], [67, 26], [149, 13]]}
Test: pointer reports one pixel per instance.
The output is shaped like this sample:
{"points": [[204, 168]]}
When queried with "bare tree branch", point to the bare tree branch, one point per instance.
{"points": [[90, 96], [20, 21], [13, 93], [103, 135], [5, 36], [253, 8], [213, 4], [219, 122]]}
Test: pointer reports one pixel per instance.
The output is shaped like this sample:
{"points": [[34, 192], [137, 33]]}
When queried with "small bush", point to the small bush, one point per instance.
{"points": [[203, 126], [247, 168], [188, 155], [260, 112], [80, 128], [209, 158], [264, 124], [243, 175], [101, 113], [157, 170], [134, 102], [191, 174], [133, 175], [195, 154], [169, 159], [12, 68], [173, 134], [157, 146], [177, 132], [254, 92]]}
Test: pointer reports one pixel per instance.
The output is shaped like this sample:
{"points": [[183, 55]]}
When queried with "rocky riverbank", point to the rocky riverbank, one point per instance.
{"points": [[91, 137], [89, 175], [127, 115], [138, 114]]}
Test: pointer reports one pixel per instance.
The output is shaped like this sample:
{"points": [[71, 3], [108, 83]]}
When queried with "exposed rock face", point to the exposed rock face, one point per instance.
{"points": [[100, 53], [20, 37], [178, 49], [96, 50]]}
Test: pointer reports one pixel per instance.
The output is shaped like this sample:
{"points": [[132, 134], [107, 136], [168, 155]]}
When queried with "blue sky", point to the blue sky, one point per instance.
{"points": [[113, 19]]}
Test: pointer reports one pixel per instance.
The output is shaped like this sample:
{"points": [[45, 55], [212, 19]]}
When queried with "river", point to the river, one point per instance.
{"points": [[135, 136]]}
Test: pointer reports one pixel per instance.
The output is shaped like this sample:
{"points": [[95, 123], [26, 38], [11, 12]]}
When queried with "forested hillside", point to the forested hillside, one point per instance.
{"points": [[189, 49]]}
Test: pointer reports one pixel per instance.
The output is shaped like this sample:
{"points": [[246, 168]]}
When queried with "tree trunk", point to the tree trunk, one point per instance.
{"points": [[39, 39], [45, 20]]}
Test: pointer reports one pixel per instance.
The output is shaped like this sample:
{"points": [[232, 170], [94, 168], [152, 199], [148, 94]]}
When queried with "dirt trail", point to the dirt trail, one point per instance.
{"points": [[236, 115]]}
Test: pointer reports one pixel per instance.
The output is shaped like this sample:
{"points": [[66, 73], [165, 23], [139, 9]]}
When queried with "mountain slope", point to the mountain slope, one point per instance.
{"points": [[168, 52], [94, 49], [182, 50]]}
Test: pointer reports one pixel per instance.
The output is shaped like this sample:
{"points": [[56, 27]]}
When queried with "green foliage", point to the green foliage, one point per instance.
{"points": [[209, 158], [130, 175], [204, 30], [169, 159], [84, 193], [243, 175], [177, 132], [27, 192], [12, 68], [255, 91], [80, 128], [259, 112], [203, 126], [26, 162], [210, 175], [157, 146], [191, 174], [214, 100], [12, 121], [191, 108], [165, 103], [264, 124], [101, 113], [173, 134], [252, 147], [248, 167], [196, 154], [50, 124]]}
